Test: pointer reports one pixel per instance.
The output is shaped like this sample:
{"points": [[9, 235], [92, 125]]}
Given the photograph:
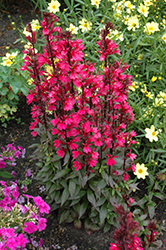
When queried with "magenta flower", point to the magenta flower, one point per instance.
{"points": [[30, 227], [11, 243], [42, 224], [21, 240]]}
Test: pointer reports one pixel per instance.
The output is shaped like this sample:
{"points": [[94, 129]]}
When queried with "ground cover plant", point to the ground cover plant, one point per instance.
{"points": [[87, 119]]}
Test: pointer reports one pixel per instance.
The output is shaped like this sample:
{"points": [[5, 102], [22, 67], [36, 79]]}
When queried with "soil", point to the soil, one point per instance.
{"points": [[64, 236]]}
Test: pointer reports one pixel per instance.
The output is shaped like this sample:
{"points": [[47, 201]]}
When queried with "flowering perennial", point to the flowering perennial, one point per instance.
{"points": [[89, 111]]}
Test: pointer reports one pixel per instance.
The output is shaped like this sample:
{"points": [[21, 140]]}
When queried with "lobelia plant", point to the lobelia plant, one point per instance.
{"points": [[82, 118], [126, 234]]}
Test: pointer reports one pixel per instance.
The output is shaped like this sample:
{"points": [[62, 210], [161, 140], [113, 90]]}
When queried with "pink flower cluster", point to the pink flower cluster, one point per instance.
{"points": [[9, 196], [9, 154], [32, 215], [11, 240], [90, 111]]}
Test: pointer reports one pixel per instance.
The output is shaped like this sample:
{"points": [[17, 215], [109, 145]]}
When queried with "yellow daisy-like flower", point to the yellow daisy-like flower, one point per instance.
{"points": [[129, 6], [151, 134], [148, 2], [140, 56], [154, 78], [85, 25], [7, 62], [96, 2], [164, 37], [158, 102], [149, 95], [53, 6], [73, 29], [116, 35], [143, 9], [133, 23], [134, 86], [141, 171], [35, 25], [151, 27], [163, 95]]}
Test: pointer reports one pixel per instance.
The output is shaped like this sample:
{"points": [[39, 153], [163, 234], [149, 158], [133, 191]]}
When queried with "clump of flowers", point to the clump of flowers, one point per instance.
{"points": [[27, 218], [9, 59], [126, 234], [8, 157]]}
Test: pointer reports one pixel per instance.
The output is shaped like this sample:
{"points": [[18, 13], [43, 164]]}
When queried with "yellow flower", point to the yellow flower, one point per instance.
{"points": [[115, 34], [154, 78], [35, 25], [140, 56], [7, 62], [164, 37], [85, 25], [129, 6], [133, 23], [151, 27], [151, 134], [163, 95], [140, 171], [95, 2], [158, 102], [148, 2], [26, 33], [143, 9], [73, 29], [53, 6], [149, 95], [134, 86]]}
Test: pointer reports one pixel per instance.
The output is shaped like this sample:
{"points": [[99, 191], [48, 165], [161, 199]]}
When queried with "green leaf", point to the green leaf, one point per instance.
{"points": [[4, 91], [103, 212], [91, 197], [6, 174], [48, 185], [54, 186], [11, 95], [72, 187], [159, 195], [64, 215], [60, 174], [101, 185], [82, 209], [151, 208], [16, 82], [77, 224], [100, 201], [65, 196], [107, 227]]}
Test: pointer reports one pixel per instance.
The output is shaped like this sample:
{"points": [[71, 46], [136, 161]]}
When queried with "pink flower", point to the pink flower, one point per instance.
{"points": [[30, 227], [11, 243], [21, 240], [113, 247], [131, 200], [111, 160], [42, 224]]}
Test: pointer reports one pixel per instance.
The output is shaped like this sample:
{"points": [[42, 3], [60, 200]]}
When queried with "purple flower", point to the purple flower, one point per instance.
{"points": [[6, 191], [2, 164], [17, 154], [10, 158], [10, 147], [21, 199], [13, 173], [42, 189], [28, 173], [40, 242]]}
